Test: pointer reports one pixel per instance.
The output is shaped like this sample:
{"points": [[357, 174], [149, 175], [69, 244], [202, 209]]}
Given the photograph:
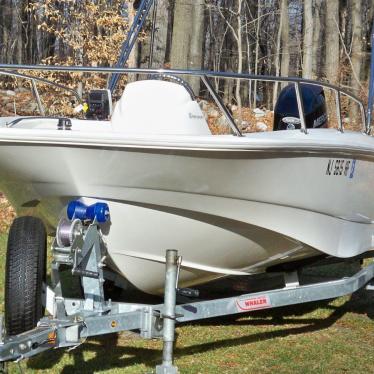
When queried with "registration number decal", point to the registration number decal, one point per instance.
{"points": [[341, 168]]}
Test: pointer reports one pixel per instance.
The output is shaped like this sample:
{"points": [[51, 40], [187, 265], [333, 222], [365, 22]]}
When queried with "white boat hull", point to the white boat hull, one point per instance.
{"points": [[229, 205]]}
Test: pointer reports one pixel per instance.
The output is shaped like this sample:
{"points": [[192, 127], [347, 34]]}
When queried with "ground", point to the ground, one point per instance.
{"points": [[335, 336]]}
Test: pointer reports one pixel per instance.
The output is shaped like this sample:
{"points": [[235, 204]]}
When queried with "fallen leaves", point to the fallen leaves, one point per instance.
{"points": [[7, 214]]}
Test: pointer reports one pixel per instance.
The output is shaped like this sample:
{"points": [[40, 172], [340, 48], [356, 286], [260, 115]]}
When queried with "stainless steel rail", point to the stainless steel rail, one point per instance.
{"points": [[300, 106], [221, 106], [213, 74], [37, 97], [338, 110], [34, 87]]}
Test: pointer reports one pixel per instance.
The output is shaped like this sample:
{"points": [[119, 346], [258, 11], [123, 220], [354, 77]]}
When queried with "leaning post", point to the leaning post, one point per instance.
{"points": [[167, 366]]}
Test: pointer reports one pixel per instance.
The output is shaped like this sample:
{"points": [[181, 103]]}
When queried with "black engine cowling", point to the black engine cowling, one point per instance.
{"points": [[286, 113]]}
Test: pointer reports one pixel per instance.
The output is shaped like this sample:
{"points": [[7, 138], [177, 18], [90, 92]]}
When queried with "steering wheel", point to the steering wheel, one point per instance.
{"points": [[175, 79]]}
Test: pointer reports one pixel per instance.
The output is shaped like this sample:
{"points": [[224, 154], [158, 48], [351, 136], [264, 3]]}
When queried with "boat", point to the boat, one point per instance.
{"points": [[235, 204], [145, 195]]}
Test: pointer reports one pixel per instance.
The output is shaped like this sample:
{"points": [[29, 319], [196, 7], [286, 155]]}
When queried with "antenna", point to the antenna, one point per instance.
{"points": [[129, 43]]}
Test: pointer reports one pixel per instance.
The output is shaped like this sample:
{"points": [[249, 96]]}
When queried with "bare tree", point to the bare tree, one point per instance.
{"points": [[282, 49], [356, 43], [236, 30], [332, 40], [308, 39], [161, 33], [285, 64], [356, 52], [16, 31], [181, 33], [284, 37], [316, 39], [186, 49], [5, 34], [259, 18], [196, 43]]}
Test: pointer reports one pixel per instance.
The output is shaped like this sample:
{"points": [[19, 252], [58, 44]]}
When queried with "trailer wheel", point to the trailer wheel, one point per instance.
{"points": [[25, 274]]}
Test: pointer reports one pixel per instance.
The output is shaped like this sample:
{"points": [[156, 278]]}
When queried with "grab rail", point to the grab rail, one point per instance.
{"points": [[221, 106], [204, 75], [35, 88]]}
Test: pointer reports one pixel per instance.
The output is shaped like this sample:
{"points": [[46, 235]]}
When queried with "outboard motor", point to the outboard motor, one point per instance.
{"points": [[286, 113]]}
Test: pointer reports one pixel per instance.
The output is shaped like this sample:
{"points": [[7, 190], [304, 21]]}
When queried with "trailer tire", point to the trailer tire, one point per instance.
{"points": [[24, 275]]}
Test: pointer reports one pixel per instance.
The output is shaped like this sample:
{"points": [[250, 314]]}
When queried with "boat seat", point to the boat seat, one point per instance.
{"points": [[158, 107]]}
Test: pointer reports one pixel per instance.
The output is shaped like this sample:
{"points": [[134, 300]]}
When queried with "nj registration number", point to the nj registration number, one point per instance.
{"points": [[338, 167]]}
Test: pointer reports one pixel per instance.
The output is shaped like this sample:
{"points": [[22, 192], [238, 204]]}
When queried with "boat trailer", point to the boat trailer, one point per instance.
{"points": [[71, 321]]}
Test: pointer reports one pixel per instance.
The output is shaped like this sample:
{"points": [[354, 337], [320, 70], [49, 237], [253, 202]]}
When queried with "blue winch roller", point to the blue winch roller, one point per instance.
{"points": [[77, 209]]}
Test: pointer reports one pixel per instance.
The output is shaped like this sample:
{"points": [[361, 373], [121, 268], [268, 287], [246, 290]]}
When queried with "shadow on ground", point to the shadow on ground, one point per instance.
{"points": [[114, 351]]}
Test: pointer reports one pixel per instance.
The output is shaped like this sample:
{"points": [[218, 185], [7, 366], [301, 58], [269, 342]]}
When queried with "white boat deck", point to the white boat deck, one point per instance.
{"points": [[101, 133]]}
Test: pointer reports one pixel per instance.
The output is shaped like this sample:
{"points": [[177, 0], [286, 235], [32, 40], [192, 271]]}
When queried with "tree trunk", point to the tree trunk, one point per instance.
{"points": [[282, 20], [196, 45], [5, 16], [249, 61], [285, 64], [183, 19], [356, 43], [16, 32], [367, 58], [186, 49], [133, 58], [332, 41], [161, 34], [357, 48], [240, 59], [317, 42], [308, 39], [259, 12]]}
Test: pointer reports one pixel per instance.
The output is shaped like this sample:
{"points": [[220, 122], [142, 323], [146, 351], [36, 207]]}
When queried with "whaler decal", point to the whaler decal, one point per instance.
{"points": [[253, 303], [341, 168]]}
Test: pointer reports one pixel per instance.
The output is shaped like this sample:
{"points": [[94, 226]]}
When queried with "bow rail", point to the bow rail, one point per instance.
{"points": [[338, 92]]}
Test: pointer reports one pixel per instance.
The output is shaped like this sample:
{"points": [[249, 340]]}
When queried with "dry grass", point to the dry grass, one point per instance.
{"points": [[334, 337], [7, 214]]}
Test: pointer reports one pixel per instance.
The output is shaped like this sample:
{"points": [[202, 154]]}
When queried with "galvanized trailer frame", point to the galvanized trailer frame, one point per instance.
{"points": [[71, 321]]}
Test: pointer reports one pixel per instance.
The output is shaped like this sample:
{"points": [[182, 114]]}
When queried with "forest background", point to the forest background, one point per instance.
{"points": [[323, 39]]}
